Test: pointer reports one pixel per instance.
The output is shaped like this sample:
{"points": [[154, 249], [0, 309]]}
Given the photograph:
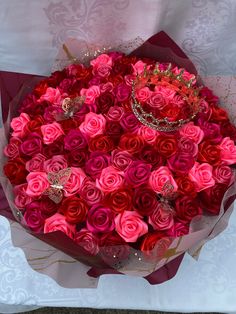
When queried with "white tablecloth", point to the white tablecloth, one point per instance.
{"points": [[30, 33]]}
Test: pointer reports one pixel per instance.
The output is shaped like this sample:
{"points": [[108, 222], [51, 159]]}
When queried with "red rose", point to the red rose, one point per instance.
{"points": [[15, 171], [90, 193], [218, 114], [69, 124], [145, 201], [114, 130], [55, 78], [155, 244], [178, 229], [41, 88], [228, 129], [181, 162], [209, 96], [31, 145], [211, 198], [56, 148], [186, 186], [187, 208], [88, 241], [78, 71], [131, 143], [101, 143], [104, 102], [150, 155], [166, 145], [29, 104], [119, 200], [129, 122], [74, 209], [35, 125], [210, 153], [77, 158]]}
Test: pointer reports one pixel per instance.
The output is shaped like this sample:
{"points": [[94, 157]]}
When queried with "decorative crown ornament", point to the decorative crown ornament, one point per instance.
{"points": [[176, 82]]}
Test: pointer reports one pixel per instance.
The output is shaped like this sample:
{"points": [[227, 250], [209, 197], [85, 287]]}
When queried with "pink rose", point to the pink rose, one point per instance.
{"points": [[168, 93], [223, 174], [102, 59], [143, 94], [31, 145], [211, 131], [55, 164], [149, 135], [100, 219], [94, 124], [21, 198], [160, 177], [34, 218], [106, 87], [37, 183], [129, 122], [51, 132], [110, 179], [90, 193], [91, 94], [186, 145], [115, 113], [121, 159], [102, 70], [181, 162], [137, 173], [162, 218], [178, 229], [129, 79], [186, 75], [36, 163], [75, 140], [18, 125], [157, 101], [193, 132], [96, 163], [12, 149], [122, 92], [130, 225], [228, 151], [52, 95], [75, 181], [201, 175], [88, 241], [139, 67], [57, 222]]}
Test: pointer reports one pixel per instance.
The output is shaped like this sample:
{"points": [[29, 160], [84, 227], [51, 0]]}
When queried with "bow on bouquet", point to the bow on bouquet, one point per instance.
{"points": [[124, 164]]}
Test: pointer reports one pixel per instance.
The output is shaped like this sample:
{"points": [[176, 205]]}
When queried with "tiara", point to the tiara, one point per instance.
{"points": [[175, 82]]}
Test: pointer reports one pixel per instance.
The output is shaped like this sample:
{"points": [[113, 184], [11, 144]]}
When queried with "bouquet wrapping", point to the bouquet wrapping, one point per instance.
{"points": [[123, 162]]}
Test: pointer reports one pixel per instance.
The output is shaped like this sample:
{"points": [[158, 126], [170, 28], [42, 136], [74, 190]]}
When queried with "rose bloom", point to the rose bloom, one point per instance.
{"points": [[100, 219], [57, 222], [21, 198], [37, 183], [106, 87], [137, 173], [105, 102], [160, 177], [143, 94], [130, 226], [150, 156], [12, 150], [75, 140], [157, 101], [18, 125], [47, 206], [110, 179], [139, 67], [218, 115], [34, 218], [31, 145], [155, 244], [88, 241], [223, 174], [161, 218], [181, 162], [129, 122], [96, 163], [144, 201], [228, 151], [75, 181], [56, 148], [51, 132], [94, 124], [211, 131], [209, 153], [186, 186], [114, 130], [90, 193], [187, 208], [226, 128], [121, 159], [178, 229], [131, 143], [55, 164], [15, 171], [91, 94], [115, 113], [119, 200], [52, 95], [209, 96], [193, 132], [74, 209], [201, 175], [149, 135], [35, 125], [101, 59], [77, 158], [186, 145], [101, 143], [36, 163], [166, 145], [165, 91]]}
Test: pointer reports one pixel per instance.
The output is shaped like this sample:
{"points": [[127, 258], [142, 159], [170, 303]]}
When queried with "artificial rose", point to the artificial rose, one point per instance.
{"points": [[211, 198], [75, 140], [143, 94], [192, 131], [129, 122], [34, 218], [56, 148], [37, 183], [223, 174], [162, 218], [218, 115], [226, 128], [209, 153], [178, 229], [69, 125], [186, 145], [101, 59], [187, 208], [110, 179], [51, 132], [201, 175], [90, 94], [77, 70], [90, 193], [181, 162], [18, 125], [115, 113], [149, 135], [144, 201], [119, 200], [77, 158], [74, 209], [75, 181], [100, 219], [21, 198], [29, 103], [155, 244], [228, 151], [55, 164], [167, 92], [122, 92], [130, 226], [131, 143], [57, 222], [157, 101], [208, 95], [185, 74], [101, 143], [114, 130], [105, 102], [35, 125], [121, 159], [47, 206], [15, 171], [150, 156], [52, 95], [88, 241], [137, 173], [94, 124], [139, 67], [96, 163], [186, 186], [31, 145], [211, 131], [12, 150], [160, 177], [166, 145], [36, 163]]}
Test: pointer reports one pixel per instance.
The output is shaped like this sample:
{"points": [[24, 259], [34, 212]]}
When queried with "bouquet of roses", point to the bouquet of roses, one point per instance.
{"points": [[128, 159]]}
